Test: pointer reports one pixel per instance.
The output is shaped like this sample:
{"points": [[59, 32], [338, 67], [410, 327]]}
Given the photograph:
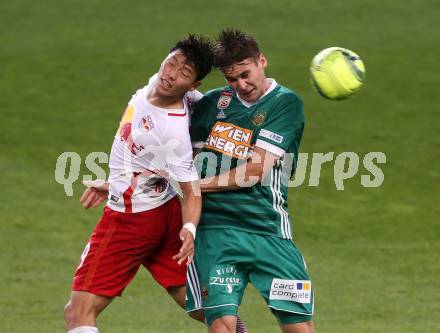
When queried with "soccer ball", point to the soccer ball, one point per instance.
{"points": [[337, 73]]}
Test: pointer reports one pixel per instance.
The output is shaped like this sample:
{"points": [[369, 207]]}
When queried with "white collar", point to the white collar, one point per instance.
{"points": [[272, 86]]}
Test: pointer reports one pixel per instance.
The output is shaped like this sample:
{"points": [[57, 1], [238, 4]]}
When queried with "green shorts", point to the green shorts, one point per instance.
{"points": [[227, 259]]}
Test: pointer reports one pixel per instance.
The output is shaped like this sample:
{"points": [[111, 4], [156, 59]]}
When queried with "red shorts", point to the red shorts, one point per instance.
{"points": [[122, 242]]}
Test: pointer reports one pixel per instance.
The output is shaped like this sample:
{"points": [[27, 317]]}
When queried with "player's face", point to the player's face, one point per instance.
{"points": [[176, 75], [247, 78]]}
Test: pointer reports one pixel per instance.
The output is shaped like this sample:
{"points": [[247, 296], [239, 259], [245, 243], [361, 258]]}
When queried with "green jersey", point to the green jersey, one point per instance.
{"points": [[227, 129]]}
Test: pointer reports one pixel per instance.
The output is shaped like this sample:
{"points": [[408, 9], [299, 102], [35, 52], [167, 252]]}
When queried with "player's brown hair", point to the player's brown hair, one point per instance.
{"points": [[234, 46]]}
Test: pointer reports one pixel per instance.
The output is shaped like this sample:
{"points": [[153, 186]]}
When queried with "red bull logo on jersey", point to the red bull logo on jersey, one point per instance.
{"points": [[299, 291], [126, 119], [230, 139], [147, 123], [124, 131]]}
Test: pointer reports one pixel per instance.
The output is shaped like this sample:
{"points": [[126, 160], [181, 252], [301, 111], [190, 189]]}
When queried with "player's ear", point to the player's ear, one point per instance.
{"points": [[196, 85], [262, 60]]}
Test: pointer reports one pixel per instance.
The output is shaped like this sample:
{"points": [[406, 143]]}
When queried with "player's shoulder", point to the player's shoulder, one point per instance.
{"points": [[217, 92], [288, 100], [193, 96], [286, 104], [287, 95], [206, 108], [141, 93], [139, 97]]}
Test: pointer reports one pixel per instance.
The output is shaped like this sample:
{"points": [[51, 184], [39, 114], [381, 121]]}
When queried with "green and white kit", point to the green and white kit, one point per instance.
{"points": [[245, 235]]}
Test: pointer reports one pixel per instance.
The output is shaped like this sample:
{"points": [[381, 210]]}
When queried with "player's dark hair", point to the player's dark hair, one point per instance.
{"points": [[199, 51], [234, 46]]}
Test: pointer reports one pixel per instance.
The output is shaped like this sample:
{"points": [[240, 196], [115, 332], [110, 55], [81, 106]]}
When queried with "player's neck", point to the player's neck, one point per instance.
{"points": [[267, 84], [165, 102]]}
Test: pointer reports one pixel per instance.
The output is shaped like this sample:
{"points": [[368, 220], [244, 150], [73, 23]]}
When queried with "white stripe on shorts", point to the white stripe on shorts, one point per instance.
{"points": [[194, 286]]}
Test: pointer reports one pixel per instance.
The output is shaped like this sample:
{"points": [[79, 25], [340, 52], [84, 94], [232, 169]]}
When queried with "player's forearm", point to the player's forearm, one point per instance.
{"points": [[191, 209], [191, 205], [246, 175], [217, 184]]}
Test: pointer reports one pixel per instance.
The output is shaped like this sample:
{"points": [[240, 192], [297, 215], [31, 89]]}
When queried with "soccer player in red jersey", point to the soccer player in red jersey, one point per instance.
{"points": [[143, 222]]}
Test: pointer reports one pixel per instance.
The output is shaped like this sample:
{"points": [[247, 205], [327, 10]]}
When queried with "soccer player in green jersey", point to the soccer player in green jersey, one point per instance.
{"points": [[247, 131]]}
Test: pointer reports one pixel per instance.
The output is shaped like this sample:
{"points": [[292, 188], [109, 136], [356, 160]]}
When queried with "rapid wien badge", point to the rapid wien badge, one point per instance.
{"points": [[259, 118], [224, 100]]}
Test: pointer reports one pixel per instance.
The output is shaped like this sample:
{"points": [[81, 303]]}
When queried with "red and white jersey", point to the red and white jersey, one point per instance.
{"points": [[152, 149]]}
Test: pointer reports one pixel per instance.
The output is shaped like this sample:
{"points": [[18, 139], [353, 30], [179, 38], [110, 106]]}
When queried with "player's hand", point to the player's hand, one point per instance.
{"points": [[95, 193], [187, 250]]}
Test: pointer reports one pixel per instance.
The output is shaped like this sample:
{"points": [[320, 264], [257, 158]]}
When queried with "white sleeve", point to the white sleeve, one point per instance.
{"points": [[180, 156], [269, 147], [195, 95]]}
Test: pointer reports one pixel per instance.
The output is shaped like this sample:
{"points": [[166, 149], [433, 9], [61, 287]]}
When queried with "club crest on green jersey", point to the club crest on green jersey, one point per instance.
{"points": [[259, 118], [224, 100]]}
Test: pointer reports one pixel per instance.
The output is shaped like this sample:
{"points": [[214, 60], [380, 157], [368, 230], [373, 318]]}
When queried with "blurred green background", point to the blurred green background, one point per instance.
{"points": [[67, 70]]}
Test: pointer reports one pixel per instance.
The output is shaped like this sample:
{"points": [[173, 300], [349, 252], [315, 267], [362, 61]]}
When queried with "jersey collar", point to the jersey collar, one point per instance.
{"points": [[273, 85]]}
